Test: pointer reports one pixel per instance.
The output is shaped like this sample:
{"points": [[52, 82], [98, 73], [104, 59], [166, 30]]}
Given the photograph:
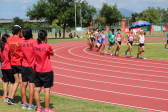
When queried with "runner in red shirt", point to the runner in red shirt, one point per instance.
{"points": [[15, 60], [44, 72], [6, 69], [28, 64], [130, 37]]}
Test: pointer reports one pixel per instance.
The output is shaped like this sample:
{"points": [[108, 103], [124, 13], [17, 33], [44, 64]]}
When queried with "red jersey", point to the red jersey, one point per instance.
{"points": [[28, 52], [42, 56], [5, 57], [14, 50]]}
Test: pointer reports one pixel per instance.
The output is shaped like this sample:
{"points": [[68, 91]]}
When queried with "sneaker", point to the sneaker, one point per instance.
{"points": [[111, 54], [5, 99], [12, 102], [131, 55], [40, 109], [25, 105], [31, 107], [125, 53], [49, 110]]}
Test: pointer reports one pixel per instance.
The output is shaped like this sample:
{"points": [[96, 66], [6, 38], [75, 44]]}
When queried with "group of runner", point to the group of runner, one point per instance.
{"points": [[99, 38], [26, 62]]}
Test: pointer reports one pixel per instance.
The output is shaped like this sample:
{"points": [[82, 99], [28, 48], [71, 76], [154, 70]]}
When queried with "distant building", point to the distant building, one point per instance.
{"points": [[7, 22]]}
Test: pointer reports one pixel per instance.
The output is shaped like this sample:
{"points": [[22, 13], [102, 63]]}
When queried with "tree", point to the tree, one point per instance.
{"points": [[151, 15], [0, 25], [17, 21], [61, 10], [163, 13], [111, 14], [100, 20], [136, 17]]}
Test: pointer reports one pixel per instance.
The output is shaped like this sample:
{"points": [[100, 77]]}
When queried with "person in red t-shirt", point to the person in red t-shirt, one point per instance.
{"points": [[15, 60], [6, 69], [44, 73], [28, 63]]}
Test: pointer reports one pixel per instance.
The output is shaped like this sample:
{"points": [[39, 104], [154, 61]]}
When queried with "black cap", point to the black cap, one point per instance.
{"points": [[16, 29]]}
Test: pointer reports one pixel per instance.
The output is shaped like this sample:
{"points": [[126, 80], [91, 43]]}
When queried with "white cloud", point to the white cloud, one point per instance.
{"points": [[9, 15], [22, 1], [7, 0], [26, 1], [24, 7]]}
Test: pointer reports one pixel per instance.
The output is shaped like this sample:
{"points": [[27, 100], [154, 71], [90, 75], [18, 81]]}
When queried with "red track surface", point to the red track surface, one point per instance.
{"points": [[129, 82]]}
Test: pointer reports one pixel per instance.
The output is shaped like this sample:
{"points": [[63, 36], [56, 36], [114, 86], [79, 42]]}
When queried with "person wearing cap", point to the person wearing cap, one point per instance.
{"points": [[15, 55]]}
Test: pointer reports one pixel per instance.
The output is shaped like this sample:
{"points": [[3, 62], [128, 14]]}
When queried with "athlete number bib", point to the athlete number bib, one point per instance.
{"points": [[130, 39]]}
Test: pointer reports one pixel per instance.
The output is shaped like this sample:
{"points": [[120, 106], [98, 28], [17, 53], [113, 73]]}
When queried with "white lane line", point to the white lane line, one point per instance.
{"points": [[122, 59], [126, 63], [111, 83], [110, 76], [113, 70], [107, 102], [109, 65], [105, 70], [114, 92]]}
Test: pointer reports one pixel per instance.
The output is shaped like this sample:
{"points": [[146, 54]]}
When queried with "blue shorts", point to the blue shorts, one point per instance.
{"points": [[99, 41], [103, 40]]}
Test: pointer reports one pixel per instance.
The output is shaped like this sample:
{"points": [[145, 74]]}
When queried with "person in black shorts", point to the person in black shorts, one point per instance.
{"points": [[6, 69], [28, 63], [92, 39], [130, 37]]}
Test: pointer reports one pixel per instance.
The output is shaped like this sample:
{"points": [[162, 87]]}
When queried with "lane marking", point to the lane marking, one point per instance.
{"points": [[110, 76], [107, 102], [111, 91], [111, 83], [110, 65]]}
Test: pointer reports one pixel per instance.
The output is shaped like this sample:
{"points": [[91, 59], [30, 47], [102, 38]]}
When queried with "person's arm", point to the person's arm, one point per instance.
{"points": [[50, 51], [138, 38]]}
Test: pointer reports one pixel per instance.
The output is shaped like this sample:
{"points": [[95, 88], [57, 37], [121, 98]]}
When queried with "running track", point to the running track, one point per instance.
{"points": [[129, 82]]}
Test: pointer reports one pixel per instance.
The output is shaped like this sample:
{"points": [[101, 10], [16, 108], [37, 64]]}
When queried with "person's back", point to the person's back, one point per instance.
{"points": [[44, 73], [14, 50], [15, 60], [28, 52], [42, 56]]}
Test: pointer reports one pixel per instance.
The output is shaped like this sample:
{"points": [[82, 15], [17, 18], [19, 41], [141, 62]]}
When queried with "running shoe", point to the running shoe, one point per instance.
{"points": [[25, 105], [5, 99], [125, 52], [12, 102], [111, 54], [40, 109], [131, 55], [49, 110], [165, 48], [31, 107]]}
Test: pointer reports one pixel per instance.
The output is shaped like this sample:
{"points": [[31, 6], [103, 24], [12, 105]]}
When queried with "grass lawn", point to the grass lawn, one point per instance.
{"points": [[153, 51], [67, 104]]}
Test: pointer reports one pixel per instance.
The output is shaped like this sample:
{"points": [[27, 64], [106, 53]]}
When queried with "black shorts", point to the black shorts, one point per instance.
{"points": [[111, 44], [16, 69], [119, 42], [130, 43], [167, 41], [92, 39], [141, 44], [8, 76], [28, 74], [44, 79]]}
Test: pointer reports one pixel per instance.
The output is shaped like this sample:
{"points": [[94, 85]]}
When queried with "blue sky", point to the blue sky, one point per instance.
{"points": [[12, 8]]}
